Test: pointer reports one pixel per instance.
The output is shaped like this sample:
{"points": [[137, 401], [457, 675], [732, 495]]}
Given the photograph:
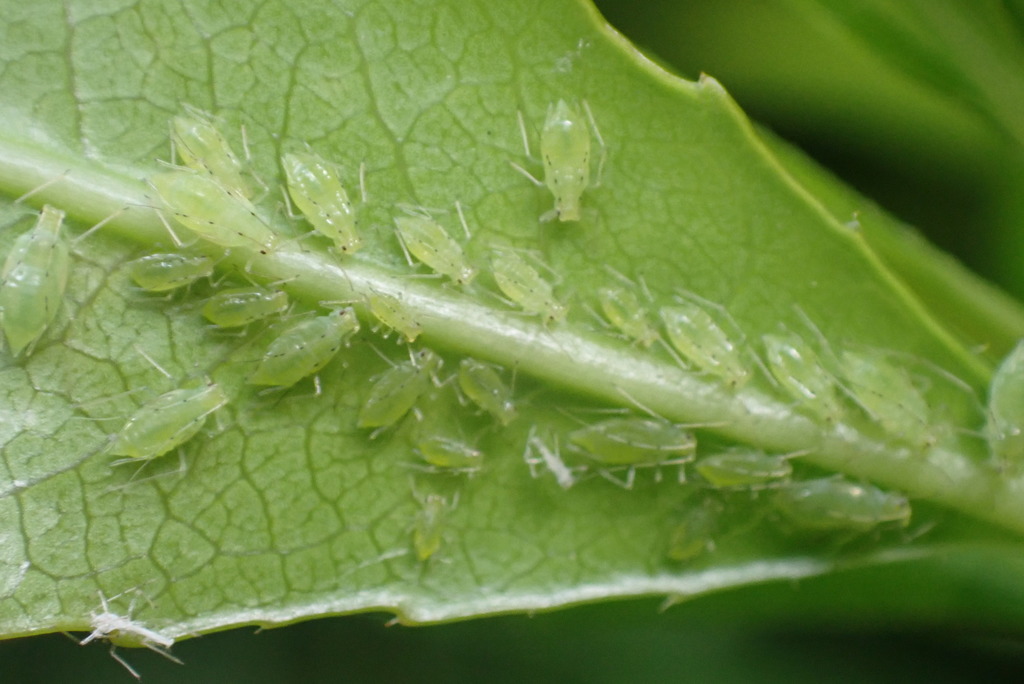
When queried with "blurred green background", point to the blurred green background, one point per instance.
{"points": [[929, 158]]}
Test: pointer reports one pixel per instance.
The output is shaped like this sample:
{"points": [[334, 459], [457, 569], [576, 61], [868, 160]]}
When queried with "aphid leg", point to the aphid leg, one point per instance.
{"points": [[600, 143], [124, 663], [462, 220], [96, 227], [529, 176], [405, 250], [362, 181], [522, 133], [40, 188], [625, 484], [174, 236], [141, 352]]}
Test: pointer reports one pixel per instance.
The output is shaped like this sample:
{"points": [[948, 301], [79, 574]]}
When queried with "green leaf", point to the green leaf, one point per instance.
{"points": [[284, 509]]}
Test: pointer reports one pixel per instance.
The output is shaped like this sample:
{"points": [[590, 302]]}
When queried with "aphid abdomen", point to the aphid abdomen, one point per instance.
{"points": [[565, 150], [35, 275], [202, 148], [837, 504], [397, 389], [314, 186], [743, 468], [394, 314], [484, 387], [623, 310], [429, 242], [445, 452], [162, 272], [888, 395], [167, 422], [800, 373], [240, 306], [523, 285], [213, 213], [635, 441], [305, 348], [701, 340]]}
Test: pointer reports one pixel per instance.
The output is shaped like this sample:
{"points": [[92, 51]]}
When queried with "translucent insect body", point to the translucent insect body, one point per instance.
{"points": [[167, 422], [484, 387], [305, 348], [448, 453], [397, 389], [838, 504], [694, 333], [429, 242], [162, 272], [565, 151], [636, 443], [34, 278], [240, 306], [212, 212], [889, 396], [202, 148], [743, 468], [427, 534], [314, 186], [121, 630], [624, 311], [394, 314], [1004, 428], [799, 372], [523, 285]]}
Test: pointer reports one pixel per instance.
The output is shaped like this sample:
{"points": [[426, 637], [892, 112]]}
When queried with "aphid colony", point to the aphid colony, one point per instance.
{"points": [[212, 198]]}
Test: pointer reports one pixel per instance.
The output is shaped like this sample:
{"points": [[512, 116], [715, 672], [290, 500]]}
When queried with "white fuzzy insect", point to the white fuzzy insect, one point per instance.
{"points": [[121, 630], [539, 453], [316, 189], [522, 284], [34, 277], [429, 242], [212, 212], [203, 148]]}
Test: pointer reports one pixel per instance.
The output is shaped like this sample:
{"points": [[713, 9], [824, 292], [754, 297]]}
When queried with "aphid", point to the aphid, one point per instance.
{"points": [[524, 286], [484, 387], [427, 533], [212, 212], [837, 504], [167, 422], [429, 242], [34, 277], [448, 453], [888, 395], [240, 306], [121, 630], [695, 334], [636, 443], [742, 467], [316, 190], [550, 458], [305, 348], [162, 272], [1003, 429], [693, 535], [798, 370], [624, 311], [397, 389], [393, 314], [202, 148]]}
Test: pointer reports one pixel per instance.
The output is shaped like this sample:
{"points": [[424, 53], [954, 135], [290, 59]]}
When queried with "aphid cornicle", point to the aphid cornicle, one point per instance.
{"points": [[240, 306], [837, 504], [305, 348], [167, 422], [799, 371], [484, 387], [624, 311], [202, 148], [636, 443], [429, 242], [162, 272], [1004, 427], [694, 333], [524, 286], [887, 393], [394, 314], [397, 389], [34, 278], [743, 467], [212, 212], [565, 151], [314, 186]]}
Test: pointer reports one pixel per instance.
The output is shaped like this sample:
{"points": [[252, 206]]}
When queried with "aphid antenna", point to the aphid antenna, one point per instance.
{"points": [[405, 250], [362, 182], [174, 236], [529, 176], [418, 210], [600, 142], [97, 226], [142, 352], [43, 186], [675, 355], [523, 135], [462, 220]]}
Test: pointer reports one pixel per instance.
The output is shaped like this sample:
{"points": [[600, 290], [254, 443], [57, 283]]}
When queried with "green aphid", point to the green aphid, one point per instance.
{"points": [[624, 311], [316, 189], [429, 242], [1004, 428], [163, 272], [202, 148], [34, 278], [391, 312], [397, 390], [428, 529], [565, 152], [747, 468], [800, 373], [697, 336], [240, 306], [837, 504], [485, 388], [449, 453], [525, 287], [887, 393], [305, 348], [167, 422]]}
